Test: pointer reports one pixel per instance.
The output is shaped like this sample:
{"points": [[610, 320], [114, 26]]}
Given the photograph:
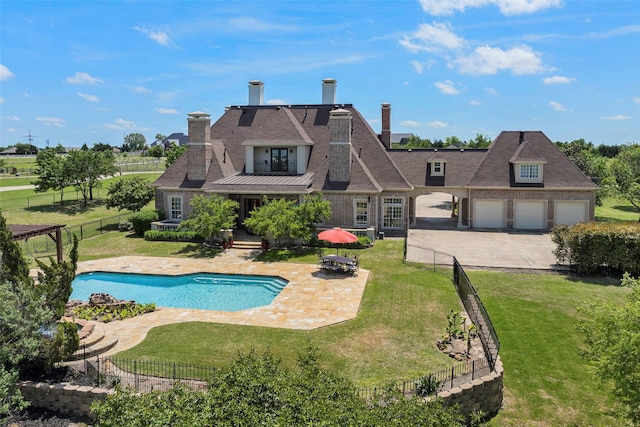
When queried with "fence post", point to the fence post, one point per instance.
{"points": [[452, 375], [98, 368]]}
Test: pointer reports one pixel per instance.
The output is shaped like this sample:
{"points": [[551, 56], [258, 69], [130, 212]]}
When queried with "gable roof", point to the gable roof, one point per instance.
{"points": [[496, 169]]}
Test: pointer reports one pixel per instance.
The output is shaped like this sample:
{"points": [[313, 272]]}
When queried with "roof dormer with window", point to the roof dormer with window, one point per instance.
{"points": [[528, 165]]}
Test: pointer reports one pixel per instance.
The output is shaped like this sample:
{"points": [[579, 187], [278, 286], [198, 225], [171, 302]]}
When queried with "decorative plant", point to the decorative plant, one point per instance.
{"points": [[427, 385]]}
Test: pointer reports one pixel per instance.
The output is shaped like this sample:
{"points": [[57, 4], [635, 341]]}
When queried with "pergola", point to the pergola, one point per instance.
{"points": [[23, 232]]}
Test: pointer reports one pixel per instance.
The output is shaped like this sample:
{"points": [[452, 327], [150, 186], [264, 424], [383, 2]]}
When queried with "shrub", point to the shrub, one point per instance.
{"points": [[172, 236], [427, 385], [142, 220], [105, 313], [589, 247]]}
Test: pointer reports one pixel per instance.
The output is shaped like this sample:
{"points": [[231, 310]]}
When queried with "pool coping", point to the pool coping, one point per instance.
{"points": [[312, 299]]}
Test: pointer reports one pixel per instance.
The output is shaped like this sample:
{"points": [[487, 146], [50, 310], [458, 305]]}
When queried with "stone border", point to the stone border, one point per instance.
{"points": [[64, 398], [482, 394]]}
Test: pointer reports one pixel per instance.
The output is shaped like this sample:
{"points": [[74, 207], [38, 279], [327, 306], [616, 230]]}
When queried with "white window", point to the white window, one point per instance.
{"points": [[175, 208], [529, 171], [361, 212], [437, 168], [392, 212]]}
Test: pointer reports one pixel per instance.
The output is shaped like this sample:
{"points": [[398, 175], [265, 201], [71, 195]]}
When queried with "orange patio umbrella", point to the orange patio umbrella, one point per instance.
{"points": [[337, 235]]}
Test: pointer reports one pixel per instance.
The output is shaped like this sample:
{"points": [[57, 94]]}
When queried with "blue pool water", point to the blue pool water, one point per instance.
{"points": [[204, 291]]}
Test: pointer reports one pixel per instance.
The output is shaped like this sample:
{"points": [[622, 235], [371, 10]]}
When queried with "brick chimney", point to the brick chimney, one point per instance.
{"points": [[256, 92], [385, 135], [329, 91], [199, 149], [340, 145]]}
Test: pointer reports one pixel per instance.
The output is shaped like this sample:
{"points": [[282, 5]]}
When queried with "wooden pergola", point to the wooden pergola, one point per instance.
{"points": [[23, 232]]}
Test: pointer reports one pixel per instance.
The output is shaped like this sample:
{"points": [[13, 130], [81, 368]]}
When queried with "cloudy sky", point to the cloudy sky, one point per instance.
{"points": [[74, 72]]}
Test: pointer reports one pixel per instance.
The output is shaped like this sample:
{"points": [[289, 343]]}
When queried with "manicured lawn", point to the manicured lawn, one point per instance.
{"points": [[616, 210], [546, 381]]}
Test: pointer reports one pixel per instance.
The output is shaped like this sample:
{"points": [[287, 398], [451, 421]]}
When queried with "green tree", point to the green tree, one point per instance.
{"points": [[53, 172], [155, 151], [173, 154], [99, 146], [255, 390], [622, 175], [23, 311], [26, 149], [87, 168], [612, 335], [210, 214], [287, 219], [134, 142], [160, 137], [453, 141], [480, 141], [132, 193]]}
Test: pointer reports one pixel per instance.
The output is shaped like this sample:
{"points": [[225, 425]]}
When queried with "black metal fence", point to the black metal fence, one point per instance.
{"points": [[477, 313], [47, 199], [146, 376]]}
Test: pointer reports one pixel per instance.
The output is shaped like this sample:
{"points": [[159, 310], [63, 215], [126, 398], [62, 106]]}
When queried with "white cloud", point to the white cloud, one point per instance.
{"points": [[5, 73], [447, 87], [11, 129], [417, 66], [83, 79], [122, 124], [432, 38], [486, 60], [167, 111], [616, 117], [558, 80], [89, 97], [51, 121], [141, 89], [557, 106], [474, 103], [636, 99], [437, 124], [411, 123], [276, 101], [491, 91], [507, 7], [159, 37], [2, 100], [11, 118]]}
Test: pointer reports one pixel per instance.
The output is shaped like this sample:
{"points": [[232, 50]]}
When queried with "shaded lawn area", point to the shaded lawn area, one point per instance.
{"points": [[402, 315], [616, 210], [546, 381]]}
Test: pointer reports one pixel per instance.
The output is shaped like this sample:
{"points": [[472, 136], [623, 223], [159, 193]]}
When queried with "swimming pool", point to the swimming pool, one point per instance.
{"points": [[203, 291]]}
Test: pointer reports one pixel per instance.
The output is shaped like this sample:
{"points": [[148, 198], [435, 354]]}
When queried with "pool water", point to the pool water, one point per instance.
{"points": [[204, 291]]}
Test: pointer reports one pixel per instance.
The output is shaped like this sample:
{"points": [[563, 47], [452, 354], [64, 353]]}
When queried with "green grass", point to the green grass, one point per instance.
{"points": [[393, 338], [546, 381], [616, 210]]}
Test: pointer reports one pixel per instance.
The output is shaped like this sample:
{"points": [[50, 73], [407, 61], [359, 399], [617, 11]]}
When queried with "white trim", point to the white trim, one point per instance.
{"points": [[355, 212], [171, 209]]}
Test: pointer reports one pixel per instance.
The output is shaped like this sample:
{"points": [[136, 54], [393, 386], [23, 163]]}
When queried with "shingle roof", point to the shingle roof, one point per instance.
{"points": [[496, 168]]}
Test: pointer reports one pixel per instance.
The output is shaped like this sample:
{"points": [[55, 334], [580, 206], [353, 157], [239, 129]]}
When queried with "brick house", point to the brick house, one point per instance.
{"points": [[287, 151]]}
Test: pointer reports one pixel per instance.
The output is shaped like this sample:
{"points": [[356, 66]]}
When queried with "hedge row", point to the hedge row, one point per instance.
{"points": [[594, 246], [141, 221], [172, 236]]}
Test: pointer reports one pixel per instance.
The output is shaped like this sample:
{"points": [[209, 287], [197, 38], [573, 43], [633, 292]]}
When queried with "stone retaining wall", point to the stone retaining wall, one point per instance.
{"points": [[64, 398], [482, 394]]}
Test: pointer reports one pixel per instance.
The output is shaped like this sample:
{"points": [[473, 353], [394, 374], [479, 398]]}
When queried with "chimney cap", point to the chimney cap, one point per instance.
{"points": [[329, 80], [199, 114], [255, 82]]}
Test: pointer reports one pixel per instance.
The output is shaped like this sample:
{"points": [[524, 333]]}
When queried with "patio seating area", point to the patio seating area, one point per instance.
{"points": [[337, 264]]}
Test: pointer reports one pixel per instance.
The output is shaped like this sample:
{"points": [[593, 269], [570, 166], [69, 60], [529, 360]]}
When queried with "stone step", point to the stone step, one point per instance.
{"points": [[103, 345], [246, 245]]}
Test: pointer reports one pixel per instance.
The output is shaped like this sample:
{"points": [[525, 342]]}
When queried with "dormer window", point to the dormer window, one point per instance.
{"points": [[528, 172], [437, 167]]}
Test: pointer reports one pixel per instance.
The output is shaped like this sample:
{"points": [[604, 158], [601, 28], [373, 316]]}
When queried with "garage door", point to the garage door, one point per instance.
{"points": [[489, 214], [530, 214], [572, 212]]}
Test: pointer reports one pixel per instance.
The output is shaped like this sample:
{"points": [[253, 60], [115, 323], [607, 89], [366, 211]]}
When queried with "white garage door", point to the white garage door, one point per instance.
{"points": [[489, 214], [530, 214], [570, 213]]}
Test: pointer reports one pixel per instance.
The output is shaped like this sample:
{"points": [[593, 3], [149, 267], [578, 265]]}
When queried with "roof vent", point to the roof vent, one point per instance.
{"points": [[329, 91]]}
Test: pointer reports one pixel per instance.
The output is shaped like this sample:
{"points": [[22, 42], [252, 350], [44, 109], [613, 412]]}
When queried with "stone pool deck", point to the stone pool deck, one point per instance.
{"points": [[312, 299]]}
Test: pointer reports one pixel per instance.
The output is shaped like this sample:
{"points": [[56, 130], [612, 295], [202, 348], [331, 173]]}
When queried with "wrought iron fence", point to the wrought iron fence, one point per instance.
{"points": [[146, 376], [477, 313]]}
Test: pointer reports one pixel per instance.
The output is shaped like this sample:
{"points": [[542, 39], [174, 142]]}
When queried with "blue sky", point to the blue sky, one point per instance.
{"points": [[74, 72]]}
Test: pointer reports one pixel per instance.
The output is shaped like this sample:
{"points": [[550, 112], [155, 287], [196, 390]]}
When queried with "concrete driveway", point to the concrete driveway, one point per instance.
{"points": [[476, 248]]}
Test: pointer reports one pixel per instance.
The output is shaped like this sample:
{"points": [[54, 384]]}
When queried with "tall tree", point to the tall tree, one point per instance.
{"points": [[86, 169], [53, 172], [210, 214], [173, 154], [612, 335], [622, 175], [131, 193], [134, 142]]}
